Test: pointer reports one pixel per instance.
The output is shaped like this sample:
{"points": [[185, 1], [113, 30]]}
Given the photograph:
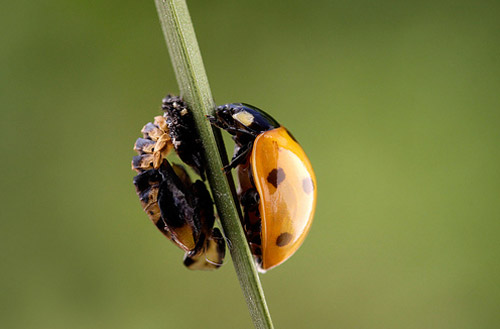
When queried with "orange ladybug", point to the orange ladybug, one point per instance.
{"points": [[277, 185]]}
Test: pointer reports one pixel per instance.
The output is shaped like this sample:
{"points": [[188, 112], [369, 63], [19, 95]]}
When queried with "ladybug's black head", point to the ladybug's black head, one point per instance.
{"points": [[244, 117]]}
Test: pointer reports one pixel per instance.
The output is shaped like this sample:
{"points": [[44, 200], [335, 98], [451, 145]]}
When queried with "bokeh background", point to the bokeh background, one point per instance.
{"points": [[396, 103]]}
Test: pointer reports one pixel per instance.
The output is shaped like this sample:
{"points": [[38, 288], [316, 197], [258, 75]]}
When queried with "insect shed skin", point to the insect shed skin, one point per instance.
{"points": [[277, 185], [181, 209]]}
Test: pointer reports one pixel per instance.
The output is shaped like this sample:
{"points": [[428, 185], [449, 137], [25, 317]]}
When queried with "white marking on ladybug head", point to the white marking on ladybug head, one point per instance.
{"points": [[244, 117]]}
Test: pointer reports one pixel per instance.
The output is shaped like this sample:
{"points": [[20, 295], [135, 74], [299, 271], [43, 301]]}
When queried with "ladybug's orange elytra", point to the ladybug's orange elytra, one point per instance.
{"points": [[286, 185]]}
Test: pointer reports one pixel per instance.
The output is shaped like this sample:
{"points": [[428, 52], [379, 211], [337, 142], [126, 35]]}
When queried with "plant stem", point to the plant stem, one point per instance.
{"points": [[193, 84]]}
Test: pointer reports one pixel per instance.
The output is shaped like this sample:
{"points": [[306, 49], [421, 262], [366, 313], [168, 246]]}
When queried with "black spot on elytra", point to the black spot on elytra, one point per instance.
{"points": [[284, 239], [308, 185], [276, 176]]}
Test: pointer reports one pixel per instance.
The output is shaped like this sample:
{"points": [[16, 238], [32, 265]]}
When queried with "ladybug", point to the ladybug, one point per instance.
{"points": [[277, 185], [180, 209]]}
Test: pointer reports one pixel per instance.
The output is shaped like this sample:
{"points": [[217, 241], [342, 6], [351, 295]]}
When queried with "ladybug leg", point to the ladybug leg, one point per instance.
{"points": [[239, 157], [215, 122]]}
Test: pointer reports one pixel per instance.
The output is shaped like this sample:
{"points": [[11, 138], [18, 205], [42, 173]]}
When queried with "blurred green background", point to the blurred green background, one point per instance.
{"points": [[396, 103]]}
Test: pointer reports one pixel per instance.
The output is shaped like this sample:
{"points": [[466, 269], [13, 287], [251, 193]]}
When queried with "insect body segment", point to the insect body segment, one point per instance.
{"points": [[277, 185], [153, 147], [180, 124], [181, 209]]}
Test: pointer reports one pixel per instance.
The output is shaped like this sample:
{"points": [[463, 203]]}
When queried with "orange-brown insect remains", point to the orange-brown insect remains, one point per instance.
{"points": [[180, 209]]}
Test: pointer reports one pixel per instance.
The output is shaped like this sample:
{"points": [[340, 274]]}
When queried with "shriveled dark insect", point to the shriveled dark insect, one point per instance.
{"points": [[180, 209]]}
